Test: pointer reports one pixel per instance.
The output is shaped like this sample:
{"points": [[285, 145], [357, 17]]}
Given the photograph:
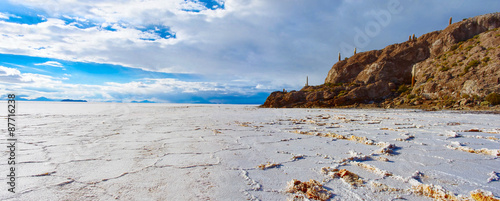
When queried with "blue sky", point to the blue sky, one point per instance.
{"points": [[198, 51]]}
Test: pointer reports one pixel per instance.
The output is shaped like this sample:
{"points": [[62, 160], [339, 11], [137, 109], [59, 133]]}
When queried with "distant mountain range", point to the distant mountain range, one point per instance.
{"points": [[71, 100], [144, 101], [22, 98]]}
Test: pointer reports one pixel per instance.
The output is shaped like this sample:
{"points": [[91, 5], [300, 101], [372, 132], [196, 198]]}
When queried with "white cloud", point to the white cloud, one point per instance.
{"points": [[10, 75], [13, 76], [3, 16], [260, 86], [4, 71], [54, 39], [166, 86], [7, 16], [51, 63], [40, 80], [191, 5]]}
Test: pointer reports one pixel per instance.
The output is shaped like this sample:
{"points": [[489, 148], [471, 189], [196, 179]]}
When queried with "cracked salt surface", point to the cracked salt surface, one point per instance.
{"points": [[103, 151]]}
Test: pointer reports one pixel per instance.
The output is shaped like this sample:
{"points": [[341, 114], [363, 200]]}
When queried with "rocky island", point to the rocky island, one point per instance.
{"points": [[455, 68]]}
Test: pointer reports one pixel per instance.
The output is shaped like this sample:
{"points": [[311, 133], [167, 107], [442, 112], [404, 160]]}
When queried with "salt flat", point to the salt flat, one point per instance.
{"points": [[106, 151]]}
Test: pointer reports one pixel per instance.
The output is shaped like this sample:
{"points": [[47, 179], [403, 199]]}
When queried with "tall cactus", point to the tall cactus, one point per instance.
{"points": [[451, 20], [413, 37], [413, 72], [354, 50], [340, 59]]}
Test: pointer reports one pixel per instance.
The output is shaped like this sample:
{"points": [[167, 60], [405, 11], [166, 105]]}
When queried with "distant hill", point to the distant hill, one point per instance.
{"points": [[22, 98], [458, 67], [71, 100], [144, 101], [41, 99]]}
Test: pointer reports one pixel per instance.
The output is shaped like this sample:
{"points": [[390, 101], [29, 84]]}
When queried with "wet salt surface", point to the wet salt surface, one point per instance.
{"points": [[89, 151]]}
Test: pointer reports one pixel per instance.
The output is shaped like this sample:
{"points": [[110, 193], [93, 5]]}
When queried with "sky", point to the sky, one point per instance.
{"points": [[198, 51]]}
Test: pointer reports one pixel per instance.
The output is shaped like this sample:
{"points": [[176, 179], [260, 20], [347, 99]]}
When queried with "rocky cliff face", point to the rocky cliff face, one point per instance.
{"points": [[456, 67]]}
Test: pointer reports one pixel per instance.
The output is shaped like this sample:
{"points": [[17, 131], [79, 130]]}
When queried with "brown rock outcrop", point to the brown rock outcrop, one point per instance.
{"points": [[460, 64]]}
